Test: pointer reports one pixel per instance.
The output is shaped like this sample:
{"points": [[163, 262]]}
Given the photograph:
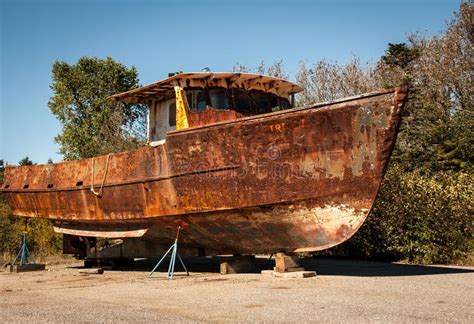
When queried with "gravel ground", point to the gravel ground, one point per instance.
{"points": [[343, 291]]}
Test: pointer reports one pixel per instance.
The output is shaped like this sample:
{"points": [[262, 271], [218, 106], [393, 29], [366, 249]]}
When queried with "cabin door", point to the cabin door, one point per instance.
{"points": [[163, 119]]}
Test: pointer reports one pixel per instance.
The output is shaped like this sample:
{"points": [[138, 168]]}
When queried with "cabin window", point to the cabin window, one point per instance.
{"points": [[219, 99], [261, 101], [242, 101], [274, 106], [196, 99], [284, 103], [172, 114], [268, 102]]}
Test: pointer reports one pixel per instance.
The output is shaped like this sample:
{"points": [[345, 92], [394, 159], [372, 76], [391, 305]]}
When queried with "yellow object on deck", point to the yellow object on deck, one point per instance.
{"points": [[181, 118]]}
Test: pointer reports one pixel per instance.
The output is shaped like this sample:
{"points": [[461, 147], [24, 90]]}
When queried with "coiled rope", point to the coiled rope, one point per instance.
{"points": [[99, 193]]}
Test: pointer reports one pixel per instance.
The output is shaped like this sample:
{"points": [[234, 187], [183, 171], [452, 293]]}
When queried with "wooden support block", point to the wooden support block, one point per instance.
{"points": [[27, 267], [238, 264], [92, 271], [284, 263]]}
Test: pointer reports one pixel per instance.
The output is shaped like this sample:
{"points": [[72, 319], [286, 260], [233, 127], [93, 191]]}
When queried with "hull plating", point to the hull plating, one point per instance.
{"points": [[298, 180]]}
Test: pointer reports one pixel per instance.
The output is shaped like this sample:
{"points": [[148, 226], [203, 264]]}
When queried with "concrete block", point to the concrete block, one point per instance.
{"points": [[295, 274], [92, 271]]}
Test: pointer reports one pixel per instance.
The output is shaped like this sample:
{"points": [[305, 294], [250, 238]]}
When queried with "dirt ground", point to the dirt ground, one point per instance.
{"points": [[343, 291]]}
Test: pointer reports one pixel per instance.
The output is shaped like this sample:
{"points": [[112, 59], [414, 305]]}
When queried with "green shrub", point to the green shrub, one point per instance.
{"points": [[422, 218], [42, 240]]}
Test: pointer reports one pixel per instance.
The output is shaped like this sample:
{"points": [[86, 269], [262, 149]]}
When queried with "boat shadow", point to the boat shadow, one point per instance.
{"points": [[324, 266], [332, 266]]}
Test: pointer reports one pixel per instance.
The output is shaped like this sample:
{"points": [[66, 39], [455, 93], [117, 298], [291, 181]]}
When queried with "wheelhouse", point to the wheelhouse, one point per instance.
{"points": [[206, 98]]}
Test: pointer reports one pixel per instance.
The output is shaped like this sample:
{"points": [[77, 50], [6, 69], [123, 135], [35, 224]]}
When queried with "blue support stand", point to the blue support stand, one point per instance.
{"points": [[24, 254], [174, 253]]}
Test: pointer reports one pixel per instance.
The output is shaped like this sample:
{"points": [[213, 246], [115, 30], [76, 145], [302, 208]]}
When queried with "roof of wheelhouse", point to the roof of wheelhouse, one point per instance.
{"points": [[248, 81]]}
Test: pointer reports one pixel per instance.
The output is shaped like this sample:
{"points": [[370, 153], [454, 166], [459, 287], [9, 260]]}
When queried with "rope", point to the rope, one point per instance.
{"points": [[99, 193]]}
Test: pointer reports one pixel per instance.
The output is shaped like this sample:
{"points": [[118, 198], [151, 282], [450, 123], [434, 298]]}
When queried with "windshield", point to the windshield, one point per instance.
{"points": [[219, 99], [196, 99], [251, 102], [266, 102], [242, 101]]}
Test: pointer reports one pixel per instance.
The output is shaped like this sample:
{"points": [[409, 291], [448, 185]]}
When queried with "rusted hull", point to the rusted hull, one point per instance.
{"points": [[298, 180]]}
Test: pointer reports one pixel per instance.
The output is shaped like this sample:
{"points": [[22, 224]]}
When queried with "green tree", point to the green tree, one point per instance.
{"points": [[438, 131], [25, 161], [92, 124], [400, 55]]}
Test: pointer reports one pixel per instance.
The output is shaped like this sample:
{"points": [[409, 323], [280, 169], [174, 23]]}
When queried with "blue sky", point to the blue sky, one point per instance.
{"points": [[163, 36]]}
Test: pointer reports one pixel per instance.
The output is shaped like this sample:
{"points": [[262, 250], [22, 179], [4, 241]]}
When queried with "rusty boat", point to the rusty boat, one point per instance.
{"points": [[230, 161]]}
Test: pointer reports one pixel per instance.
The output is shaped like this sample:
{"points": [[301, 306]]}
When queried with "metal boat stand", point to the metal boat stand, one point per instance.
{"points": [[174, 253], [24, 254], [24, 260]]}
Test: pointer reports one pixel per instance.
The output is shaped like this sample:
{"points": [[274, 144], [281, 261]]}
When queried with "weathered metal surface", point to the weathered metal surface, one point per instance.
{"points": [[164, 89], [211, 116], [295, 180]]}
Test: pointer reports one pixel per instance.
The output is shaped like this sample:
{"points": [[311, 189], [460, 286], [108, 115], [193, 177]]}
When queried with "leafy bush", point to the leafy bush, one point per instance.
{"points": [[42, 240], [422, 218]]}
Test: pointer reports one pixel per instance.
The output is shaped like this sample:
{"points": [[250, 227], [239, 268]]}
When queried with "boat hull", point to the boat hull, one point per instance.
{"points": [[298, 180]]}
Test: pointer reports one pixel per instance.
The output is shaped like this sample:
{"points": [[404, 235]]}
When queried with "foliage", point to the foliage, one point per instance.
{"points": [[277, 69], [41, 238], [91, 123], [400, 55], [326, 81], [418, 218], [438, 130], [25, 161]]}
